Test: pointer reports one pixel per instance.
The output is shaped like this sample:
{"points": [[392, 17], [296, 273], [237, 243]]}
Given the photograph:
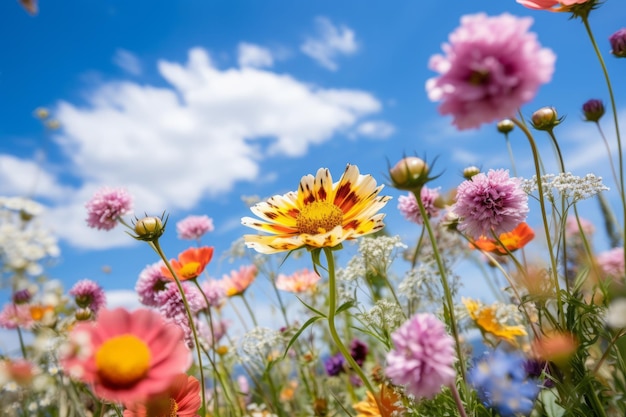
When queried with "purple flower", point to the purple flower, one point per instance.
{"points": [[171, 307], [151, 281], [358, 351], [618, 43], [194, 227], [88, 294], [22, 296], [335, 364], [423, 356], [106, 206], [407, 204], [611, 262], [214, 292], [593, 110], [491, 203], [492, 65]]}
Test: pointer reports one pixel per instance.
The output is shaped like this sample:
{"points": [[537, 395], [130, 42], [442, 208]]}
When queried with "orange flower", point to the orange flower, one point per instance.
{"points": [[486, 319], [388, 401], [190, 263], [238, 281], [555, 347], [513, 240]]}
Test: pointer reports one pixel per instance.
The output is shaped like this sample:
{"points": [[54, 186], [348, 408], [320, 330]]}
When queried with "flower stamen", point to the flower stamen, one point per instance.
{"points": [[123, 360], [319, 217]]}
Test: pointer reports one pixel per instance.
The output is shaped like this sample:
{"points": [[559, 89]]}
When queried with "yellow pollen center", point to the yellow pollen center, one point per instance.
{"points": [[319, 217], [173, 408], [189, 270], [123, 360]]}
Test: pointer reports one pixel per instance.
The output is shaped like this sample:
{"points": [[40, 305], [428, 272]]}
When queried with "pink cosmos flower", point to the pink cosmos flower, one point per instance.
{"points": [[299, 281], [491, 203], [549, 4], [491, 67], [126, 356], [13, 316], [182, 399], [422, 357], [612, 262], [151, 281], [88, 294], [238, 281], [194, 227], [572, 230], [106, 206], [407, 204]]}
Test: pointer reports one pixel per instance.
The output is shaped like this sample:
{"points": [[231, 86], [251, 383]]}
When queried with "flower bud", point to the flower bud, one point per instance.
{"points": [[505, 126], [149, 228], [42, 113], [409, 173], [546, 118], [618, 43], [593, 110], [470, 171], [83, 314], [53, 124], [22, 296]]}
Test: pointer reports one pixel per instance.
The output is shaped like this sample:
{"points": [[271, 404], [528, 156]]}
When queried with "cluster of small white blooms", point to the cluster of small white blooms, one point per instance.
{"points": [[375, 254], [346, 292], [258, 344], [354, 270], [20, 204], [566, 185], [419, 282], [259, 410], [450, 245], [506, 314], [384, 315]]}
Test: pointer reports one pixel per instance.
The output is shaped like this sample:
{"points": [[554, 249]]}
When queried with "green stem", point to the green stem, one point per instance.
{"points": [[510, 149], [563, 212], [245, 302], [332, 307]]}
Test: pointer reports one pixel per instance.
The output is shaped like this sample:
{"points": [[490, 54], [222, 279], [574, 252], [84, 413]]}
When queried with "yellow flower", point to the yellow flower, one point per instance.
{"points": [[485, 318], [389, 400], [320, 214]]}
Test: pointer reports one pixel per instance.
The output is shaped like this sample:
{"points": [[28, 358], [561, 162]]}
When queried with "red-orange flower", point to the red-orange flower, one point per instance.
{"points": [[190, 263], [182, 399], [513, 240]]}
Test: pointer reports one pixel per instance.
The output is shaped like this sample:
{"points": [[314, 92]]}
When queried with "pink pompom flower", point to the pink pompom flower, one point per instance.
{"points": [[194, 227], [88, 294], [611, 262], [492, 66], [422, 357], [407, 204], [106, 206], [491, 203], [126, 356]]}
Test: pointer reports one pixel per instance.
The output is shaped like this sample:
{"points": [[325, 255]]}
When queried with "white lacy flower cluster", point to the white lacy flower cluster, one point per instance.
{"points": [[23, 242], [258, 345], [567, 185], [384, 315], [375, 254]]}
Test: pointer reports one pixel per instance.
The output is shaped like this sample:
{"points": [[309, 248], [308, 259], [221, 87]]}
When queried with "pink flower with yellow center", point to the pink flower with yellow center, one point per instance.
{"points": [[299, 281], [190, 263], [239, 280], [320, 214], [182, 399], [126, 356]]}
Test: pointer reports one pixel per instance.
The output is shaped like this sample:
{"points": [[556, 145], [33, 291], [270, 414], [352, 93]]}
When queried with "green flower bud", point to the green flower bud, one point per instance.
{"points": [[409, 173], [546, 118], [149, 228], [470, 171], [505, 126]]}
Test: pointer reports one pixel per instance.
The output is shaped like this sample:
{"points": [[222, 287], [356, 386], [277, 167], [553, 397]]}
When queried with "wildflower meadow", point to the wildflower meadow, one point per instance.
{"points": [[323, 310]]}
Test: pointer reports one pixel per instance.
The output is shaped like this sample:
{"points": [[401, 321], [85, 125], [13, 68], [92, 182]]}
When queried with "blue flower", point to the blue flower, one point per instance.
{"points": [[502, 383]]}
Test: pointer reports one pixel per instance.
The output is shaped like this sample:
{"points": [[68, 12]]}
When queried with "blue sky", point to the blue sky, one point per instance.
{"points": [[193, 104]]}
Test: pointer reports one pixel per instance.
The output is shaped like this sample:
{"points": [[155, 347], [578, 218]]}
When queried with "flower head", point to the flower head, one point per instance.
{"points": [[194, 227], [507, 242], [151, 281], [492, 66], [611, 262], [239, 280], [618, 43], [190, 263], [593, 110], [181, 399], [487, 320], [13, 316], [389, 401], [320, 214], [549, 4], [106, 206], [358, 351], [422, 357], [88, 294], [502, 383], [335, 364], [490, 203], [407, 204], [214, 292], [299, 281], [126, 356]]}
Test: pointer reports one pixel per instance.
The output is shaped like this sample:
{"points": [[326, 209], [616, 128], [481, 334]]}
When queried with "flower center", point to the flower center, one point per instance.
{"points": [[478, 77], [189, 270], [173, 408], [319, 217], [123, 360]]}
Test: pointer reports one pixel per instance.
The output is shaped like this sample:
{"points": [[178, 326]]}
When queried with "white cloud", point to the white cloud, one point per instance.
{"points": [[127, 299], [127, 61], [250, 55], [26, 177], [330, 42], [375, 129], [172, 146]]}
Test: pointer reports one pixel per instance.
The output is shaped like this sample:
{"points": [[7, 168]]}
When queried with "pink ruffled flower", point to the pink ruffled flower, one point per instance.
{"points": [[492, 66], [299, 281], [88, 294], [194, 227], [214, 292], [151, 281], [490, 204], [407, 204], [612, 262], [171, 307], [423, 356], [13, 316], [106, 206], [126, 356]]}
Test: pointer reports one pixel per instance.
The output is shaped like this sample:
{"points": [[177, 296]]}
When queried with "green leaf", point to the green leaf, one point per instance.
{"points": [[299, 332], [345, 306], [313, 309], [551, 408]]}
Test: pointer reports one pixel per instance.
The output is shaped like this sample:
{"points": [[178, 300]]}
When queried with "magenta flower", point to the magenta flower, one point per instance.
{"points": [[194, 227], [106, 206], [407, 204], [151, 281], [490, 204], [618, 43], [88, 294], [492, 66], [611, 262], [423, 356], [171, 307], [214, 292]]}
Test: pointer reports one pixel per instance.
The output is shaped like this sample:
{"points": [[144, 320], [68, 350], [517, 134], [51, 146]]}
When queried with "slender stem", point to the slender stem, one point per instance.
{"points": [[542, 204], [608, 151], [457, 400], [332, 307], [563, 215], [157, 248], [417, 249], [245, 302], [22, 346], [510, 149]]}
